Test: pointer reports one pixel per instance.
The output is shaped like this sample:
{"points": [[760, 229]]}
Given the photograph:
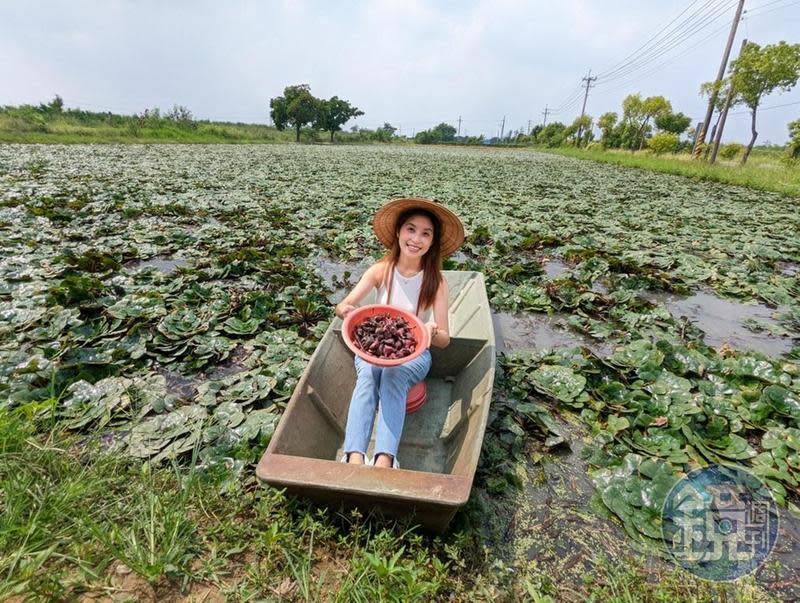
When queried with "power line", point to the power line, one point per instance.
{"points": [[660, 66], [610, 70], [667, 38], [757, 12], [657, 53], [666, 35], [769, 108]]}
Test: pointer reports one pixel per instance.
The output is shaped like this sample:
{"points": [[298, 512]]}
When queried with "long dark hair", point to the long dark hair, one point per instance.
{"points": [[431, 261]]}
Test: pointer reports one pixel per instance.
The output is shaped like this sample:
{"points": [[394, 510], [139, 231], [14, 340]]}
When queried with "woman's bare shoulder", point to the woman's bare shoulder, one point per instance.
{"points": [[377, 270]]}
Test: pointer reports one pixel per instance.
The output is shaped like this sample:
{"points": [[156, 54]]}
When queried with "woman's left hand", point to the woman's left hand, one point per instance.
{"points": [[433, 328]]}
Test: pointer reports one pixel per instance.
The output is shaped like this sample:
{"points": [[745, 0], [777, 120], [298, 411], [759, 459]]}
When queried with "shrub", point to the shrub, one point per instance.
{"points": [[729, 151], [794, 143], [663, 142]]}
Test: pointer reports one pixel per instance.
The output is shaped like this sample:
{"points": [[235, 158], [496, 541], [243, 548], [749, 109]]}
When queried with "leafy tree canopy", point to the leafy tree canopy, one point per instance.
{"points": [[676, 123], [440, 133], [758, 71], [296, 108], [333, 113]]}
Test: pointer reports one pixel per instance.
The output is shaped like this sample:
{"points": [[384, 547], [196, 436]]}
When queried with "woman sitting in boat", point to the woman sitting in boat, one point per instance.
{"points": [[417, 234]]}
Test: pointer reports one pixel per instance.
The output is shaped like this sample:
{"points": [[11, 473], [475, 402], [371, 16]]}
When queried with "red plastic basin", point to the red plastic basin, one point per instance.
{"points": [[418, 331]]}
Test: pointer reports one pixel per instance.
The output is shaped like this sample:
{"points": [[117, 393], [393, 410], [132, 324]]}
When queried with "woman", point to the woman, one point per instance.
{"points": [[417, 234]]}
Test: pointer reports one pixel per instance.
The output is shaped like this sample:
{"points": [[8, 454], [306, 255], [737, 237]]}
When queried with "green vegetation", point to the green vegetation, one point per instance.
{"points": [[757, 72], [438, 134], [663, 142], [47, 123], [764, 172], [79, 521], [794, 143], [136, 395], [298, 108]]}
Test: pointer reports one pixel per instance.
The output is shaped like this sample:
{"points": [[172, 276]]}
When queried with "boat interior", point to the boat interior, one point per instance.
{"points": [[444, 436]]}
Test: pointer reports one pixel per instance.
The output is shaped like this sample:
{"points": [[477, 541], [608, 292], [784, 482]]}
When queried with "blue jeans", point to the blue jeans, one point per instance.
{"points": [[390, 385]]}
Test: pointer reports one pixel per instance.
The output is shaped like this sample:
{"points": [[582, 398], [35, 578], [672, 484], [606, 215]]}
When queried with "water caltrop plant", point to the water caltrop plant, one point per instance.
{"points": [[187, 370]]}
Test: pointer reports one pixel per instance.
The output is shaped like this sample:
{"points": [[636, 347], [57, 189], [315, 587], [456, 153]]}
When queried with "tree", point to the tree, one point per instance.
{"points": [[676, 123], [606, 123], [440, 133], [794, 142], [758, 71], [637, 113], [54, 106], [182, 117], [582, 126], [388, 128], [651, 107], [333, 113], [296, 108], [552, 135]]}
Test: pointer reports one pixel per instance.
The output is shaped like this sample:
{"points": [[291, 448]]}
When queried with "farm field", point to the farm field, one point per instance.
{"points": [[158, 304]]}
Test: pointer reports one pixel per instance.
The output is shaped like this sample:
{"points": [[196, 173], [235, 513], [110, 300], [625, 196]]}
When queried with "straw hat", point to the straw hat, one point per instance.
{"points": [[385, 222]]}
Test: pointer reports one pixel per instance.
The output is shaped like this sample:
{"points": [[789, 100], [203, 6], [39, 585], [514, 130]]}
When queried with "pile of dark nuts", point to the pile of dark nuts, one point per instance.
{"points": [[385, 337]]}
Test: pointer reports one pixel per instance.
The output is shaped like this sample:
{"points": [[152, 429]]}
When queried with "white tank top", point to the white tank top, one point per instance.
{"points": [[405, 294]]}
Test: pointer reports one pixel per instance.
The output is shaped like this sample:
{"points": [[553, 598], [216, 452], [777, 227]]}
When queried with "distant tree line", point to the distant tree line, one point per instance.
{"points": [[298, 108]]}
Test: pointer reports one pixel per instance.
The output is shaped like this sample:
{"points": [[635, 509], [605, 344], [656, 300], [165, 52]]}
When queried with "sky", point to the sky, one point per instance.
{"points": [[412, 63]]}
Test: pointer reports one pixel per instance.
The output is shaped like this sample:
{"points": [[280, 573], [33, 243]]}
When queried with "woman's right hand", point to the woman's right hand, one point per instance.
{"points": [[345, 310]]}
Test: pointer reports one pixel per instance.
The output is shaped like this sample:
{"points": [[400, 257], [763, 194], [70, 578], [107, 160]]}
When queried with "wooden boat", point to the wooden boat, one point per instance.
{"points": [[441, 442]]}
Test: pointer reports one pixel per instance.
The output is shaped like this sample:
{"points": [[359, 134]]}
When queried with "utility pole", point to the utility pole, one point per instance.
{"points": [[712, 100], [546, 111], [529, 127], [588, 79], [459, 126], [718, 137], [502, 128]]}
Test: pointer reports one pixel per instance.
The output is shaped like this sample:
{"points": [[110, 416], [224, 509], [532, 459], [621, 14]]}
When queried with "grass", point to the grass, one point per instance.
{"points": [[66, 132], [763, 171], [76, 520]]}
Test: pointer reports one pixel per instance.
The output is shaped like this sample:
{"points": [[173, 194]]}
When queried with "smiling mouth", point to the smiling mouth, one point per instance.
{"points": [[412, 248]]}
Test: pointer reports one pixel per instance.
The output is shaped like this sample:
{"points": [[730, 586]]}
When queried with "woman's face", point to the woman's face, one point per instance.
{"points": [[416, 236]]}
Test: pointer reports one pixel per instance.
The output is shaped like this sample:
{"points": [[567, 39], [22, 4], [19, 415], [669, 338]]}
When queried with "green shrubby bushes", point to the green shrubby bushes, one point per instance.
{"points": [[731, 150], [794, 142], [663, 142]]}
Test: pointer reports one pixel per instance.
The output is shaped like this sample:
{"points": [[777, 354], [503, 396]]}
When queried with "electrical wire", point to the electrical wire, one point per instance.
{"points": [[657, 53], [666, 36], [768, 108], [757, 11], [660, 66]]}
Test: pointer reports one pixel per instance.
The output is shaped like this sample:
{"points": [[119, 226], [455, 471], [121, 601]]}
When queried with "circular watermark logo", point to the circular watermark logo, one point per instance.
{"points": [[720, 522]]}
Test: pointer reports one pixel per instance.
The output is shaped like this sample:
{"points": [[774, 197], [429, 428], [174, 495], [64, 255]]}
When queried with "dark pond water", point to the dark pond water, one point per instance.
{"points": [[521, 331], [178, 385], [724, 321], [333, 273], [788, 268], [230, 366], [553, 523], [555, 268], [165, 264]]}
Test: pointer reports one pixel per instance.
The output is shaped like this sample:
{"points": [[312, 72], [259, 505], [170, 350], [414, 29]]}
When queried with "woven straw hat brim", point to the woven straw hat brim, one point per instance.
{"points": [[385, 222]]}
